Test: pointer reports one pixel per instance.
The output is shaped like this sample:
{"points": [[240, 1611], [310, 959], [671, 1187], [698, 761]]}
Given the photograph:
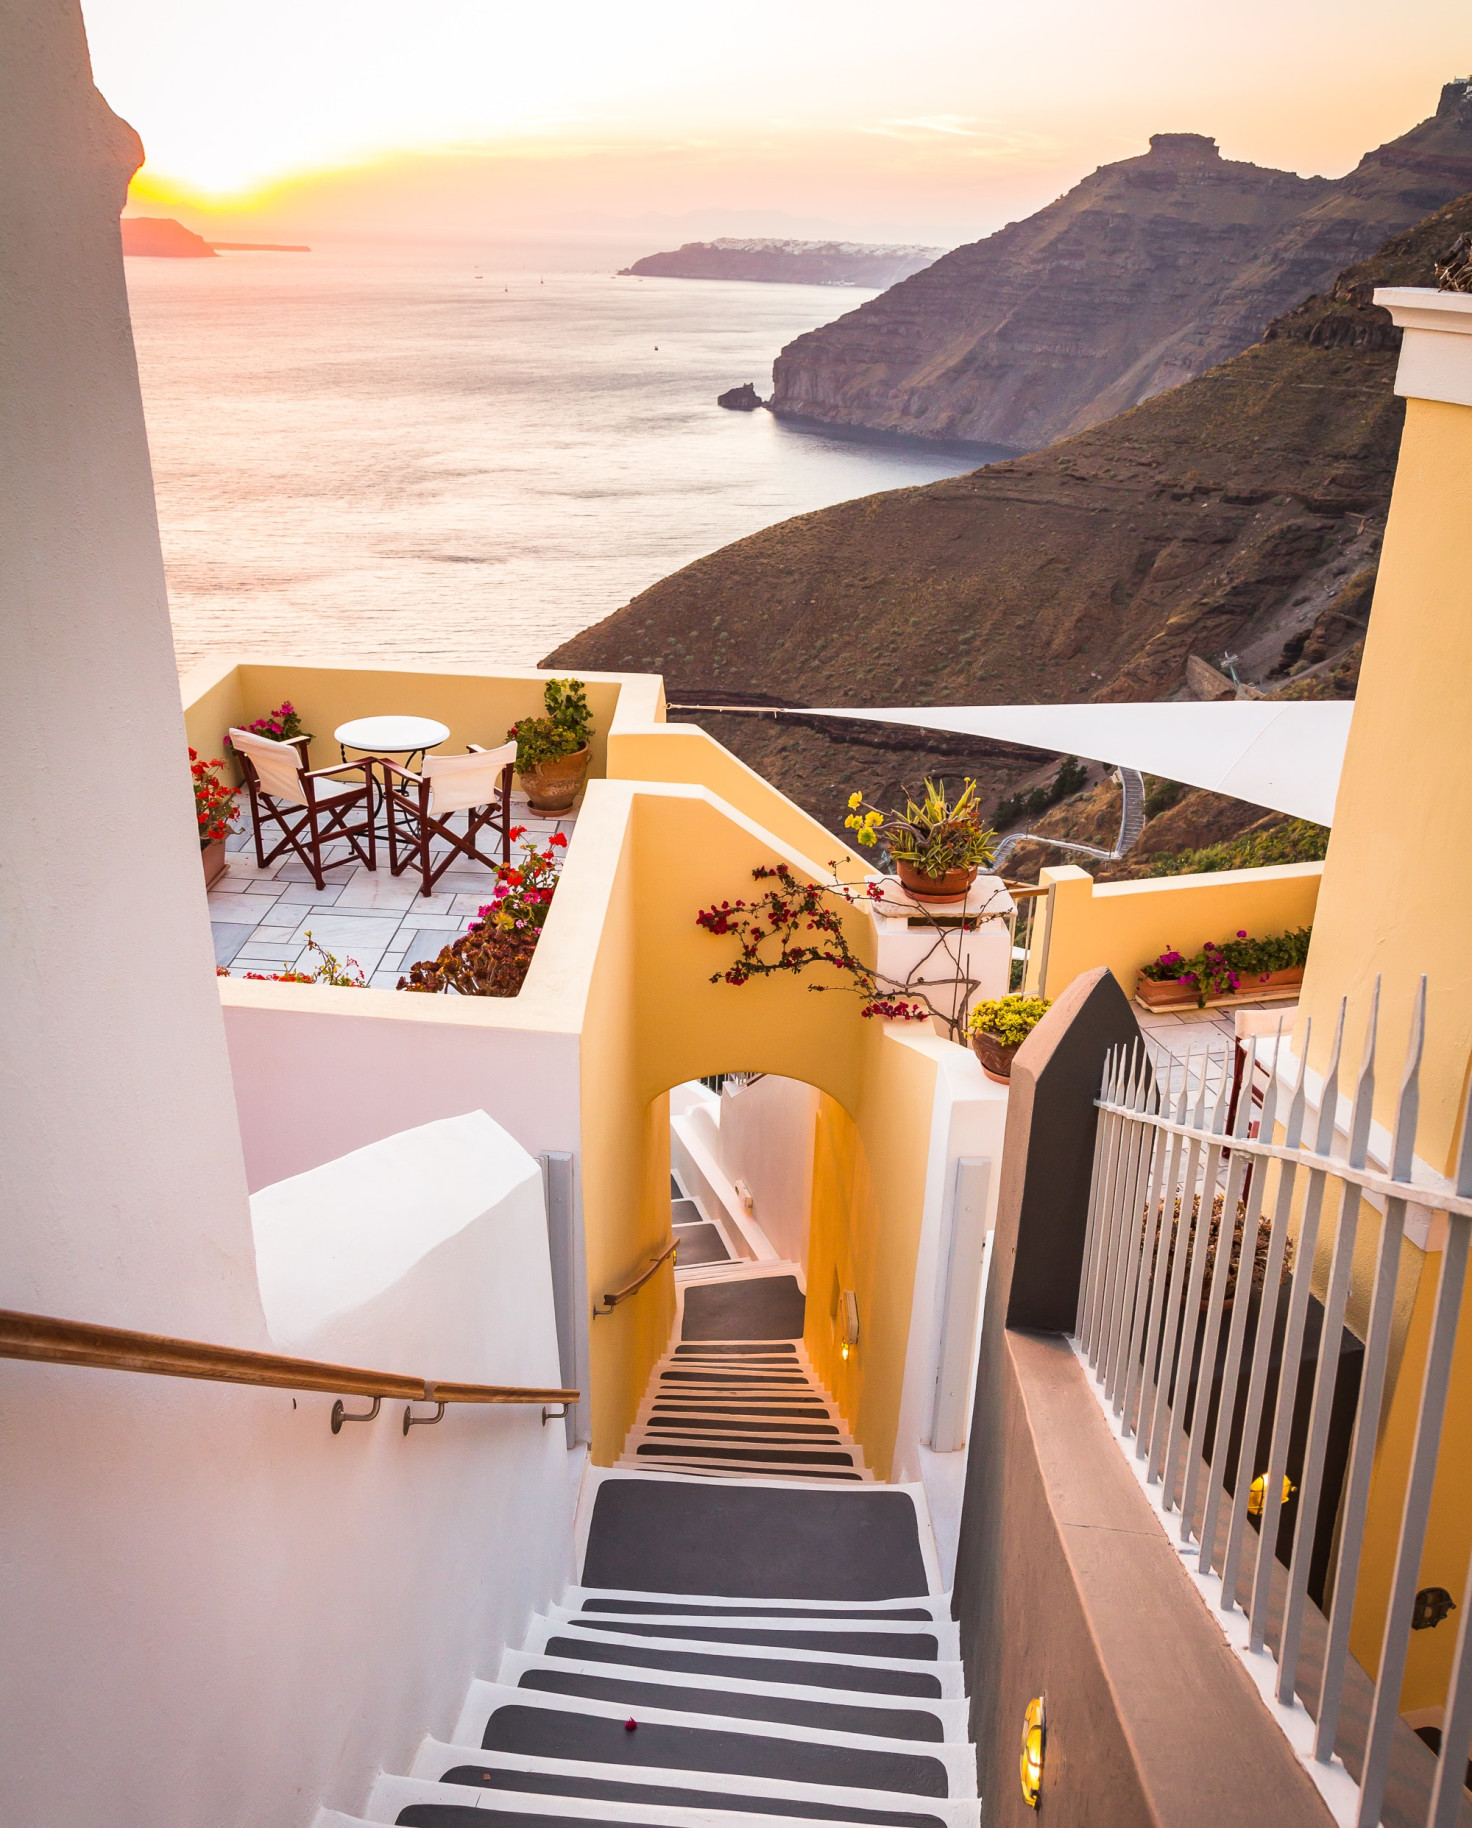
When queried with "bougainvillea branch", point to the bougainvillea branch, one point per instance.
{"points": [[796, 927]]}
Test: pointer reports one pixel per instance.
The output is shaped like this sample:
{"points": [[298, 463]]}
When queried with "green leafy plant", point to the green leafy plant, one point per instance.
{"points": [[214, 802], [1071, 776], [1009, 1019], [493, 958], [1295, 841], [1220, 970], [566, 727], [932, 835]]}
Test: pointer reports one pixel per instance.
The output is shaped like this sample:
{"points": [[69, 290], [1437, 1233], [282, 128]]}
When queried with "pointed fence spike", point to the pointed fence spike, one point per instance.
{"points": [[1293, 1129], [1329, 1101], [1408, 1111], [1364, 1091]]}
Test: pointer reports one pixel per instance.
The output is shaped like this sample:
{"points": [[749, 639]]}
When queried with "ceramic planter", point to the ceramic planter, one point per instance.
{"points": [[996, 1056], [553, 786], [212, 856], [950, 887]]}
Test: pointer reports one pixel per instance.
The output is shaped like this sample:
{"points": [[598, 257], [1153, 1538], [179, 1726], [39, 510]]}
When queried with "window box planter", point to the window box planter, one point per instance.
{"points": [[212, 856], [1171, 993]]}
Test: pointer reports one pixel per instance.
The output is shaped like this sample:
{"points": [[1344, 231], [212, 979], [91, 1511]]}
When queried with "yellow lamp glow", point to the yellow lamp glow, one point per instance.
{"points": [[1032, 1752], [1258, 1491]]}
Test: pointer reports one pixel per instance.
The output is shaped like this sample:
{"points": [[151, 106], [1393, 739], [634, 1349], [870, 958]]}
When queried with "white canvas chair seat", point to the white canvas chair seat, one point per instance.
{"points": [[420, 807], [310, 807]]}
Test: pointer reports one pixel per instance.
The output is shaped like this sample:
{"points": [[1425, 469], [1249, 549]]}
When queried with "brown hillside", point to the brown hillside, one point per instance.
{"points": [[1240, 511], [1147, 273]]}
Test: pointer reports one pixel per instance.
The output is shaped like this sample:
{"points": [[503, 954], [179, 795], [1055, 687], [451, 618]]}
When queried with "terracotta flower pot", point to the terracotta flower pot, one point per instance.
{"points": [[553, 786], [1165, 993], [950, 887], [212, 856], [996, 1056]]}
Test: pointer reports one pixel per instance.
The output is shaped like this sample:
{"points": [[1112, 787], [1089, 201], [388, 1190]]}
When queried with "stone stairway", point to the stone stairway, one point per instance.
{"points": [[755, 1642], [736, 1393], [738, 1655]]}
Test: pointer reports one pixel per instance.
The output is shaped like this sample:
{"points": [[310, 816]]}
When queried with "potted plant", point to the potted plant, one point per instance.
{"points": [[494, 956], [552, 751], [937, 845], [999, 1027], [283, 725], [1239, 967], [214, 807]]}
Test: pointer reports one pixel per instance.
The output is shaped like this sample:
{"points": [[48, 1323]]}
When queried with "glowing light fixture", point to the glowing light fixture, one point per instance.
{"points": [[848, 1321], [1258, 1491], [1032, 1752]]}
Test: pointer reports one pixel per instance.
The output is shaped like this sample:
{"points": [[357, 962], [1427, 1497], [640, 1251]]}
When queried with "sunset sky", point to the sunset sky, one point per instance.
{"points": [[934, 120]]}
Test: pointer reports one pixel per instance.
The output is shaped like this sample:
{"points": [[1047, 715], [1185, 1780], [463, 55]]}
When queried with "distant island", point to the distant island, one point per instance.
{"points": [[162, 238], [807, 263]]}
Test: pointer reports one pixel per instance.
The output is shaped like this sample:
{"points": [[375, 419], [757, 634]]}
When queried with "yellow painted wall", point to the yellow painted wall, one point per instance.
{"points": [[655, 1020], [478, 706], [1128, 924], [1395, 901], [864, 1235], [684, 752]]}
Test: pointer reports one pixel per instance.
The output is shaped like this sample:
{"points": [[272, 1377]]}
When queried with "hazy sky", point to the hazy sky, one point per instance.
{"points": [[930, 119]]}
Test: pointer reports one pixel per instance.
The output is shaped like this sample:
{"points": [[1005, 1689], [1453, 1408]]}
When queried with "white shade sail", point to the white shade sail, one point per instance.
{"points": [[1283, 756]]}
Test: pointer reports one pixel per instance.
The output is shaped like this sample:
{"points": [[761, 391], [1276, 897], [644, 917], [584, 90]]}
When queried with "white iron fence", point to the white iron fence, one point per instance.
{"points": [[1250, 1407]]}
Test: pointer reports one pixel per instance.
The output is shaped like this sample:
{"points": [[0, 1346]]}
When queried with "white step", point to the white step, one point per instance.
{"points": [[574, 1599], [434, 1757], [392, 1794], [484, 1698], [952, 1715], [945, 1631], [947, 1671]]}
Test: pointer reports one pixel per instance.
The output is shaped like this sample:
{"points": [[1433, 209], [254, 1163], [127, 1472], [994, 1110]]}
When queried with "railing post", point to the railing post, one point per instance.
{"points": [[557, 1186]]}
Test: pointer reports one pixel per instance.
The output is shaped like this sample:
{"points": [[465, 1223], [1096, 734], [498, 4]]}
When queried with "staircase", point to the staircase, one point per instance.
{"points": [[758, 1640], [721, 1404]]}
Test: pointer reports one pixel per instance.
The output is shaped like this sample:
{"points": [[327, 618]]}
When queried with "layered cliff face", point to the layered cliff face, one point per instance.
{"points": [[1241, 511], [1144, 275]]}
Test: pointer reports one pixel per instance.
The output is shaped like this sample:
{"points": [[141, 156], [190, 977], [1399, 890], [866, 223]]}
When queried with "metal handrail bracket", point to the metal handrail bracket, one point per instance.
{"points": [[609, 1302]]}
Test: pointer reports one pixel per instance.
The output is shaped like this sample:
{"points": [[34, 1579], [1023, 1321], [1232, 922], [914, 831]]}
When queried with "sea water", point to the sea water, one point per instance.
{"points": [[417, 458]]}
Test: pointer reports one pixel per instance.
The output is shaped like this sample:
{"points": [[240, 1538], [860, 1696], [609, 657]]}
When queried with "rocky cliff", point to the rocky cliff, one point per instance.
{"points": [[1144, 275], [162, 238], [1242, 511], [809, 263]]}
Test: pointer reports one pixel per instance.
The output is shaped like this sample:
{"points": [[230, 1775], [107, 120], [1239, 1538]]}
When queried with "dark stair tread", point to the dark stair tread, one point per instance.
{"points": [[767, 1456], [760, 1348], [919, 1645], [467, 1815], [735, 1541], [690, 1406], [900, 1614], [831, 1716], [612, 1789], [759, 1308], [910, 1682], [596, 1739], [747, 1426]]}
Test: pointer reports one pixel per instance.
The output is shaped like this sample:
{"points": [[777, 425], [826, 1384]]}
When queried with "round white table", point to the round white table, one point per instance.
{"points": [[404, 736]]}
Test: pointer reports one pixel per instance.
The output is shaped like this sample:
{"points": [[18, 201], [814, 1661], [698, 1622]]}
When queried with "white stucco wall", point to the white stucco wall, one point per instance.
{"points": [[212, 1610], [969, 1118], [766, 1141]]}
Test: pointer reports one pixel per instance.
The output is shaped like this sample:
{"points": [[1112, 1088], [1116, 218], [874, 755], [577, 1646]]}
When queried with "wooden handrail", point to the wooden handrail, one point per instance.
{"points": [[73, 1342], [1022, 891], [610, 1302]]}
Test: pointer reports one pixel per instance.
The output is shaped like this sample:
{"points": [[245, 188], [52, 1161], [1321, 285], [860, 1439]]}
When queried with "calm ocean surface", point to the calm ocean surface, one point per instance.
{"points": [[405, 461]]}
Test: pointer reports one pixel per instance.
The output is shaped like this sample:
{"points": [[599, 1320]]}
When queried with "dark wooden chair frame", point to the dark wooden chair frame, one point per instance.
{"points": [[307, 829], [413, 806]]}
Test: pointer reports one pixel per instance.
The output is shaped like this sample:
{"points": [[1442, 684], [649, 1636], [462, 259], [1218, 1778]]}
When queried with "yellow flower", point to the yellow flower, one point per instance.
{"points": [[855, 800]]}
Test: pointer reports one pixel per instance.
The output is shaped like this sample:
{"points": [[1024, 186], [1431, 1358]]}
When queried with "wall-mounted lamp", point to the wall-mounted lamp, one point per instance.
{"points": [[848, 1322], [1032, 1752], [1257, 1493]]}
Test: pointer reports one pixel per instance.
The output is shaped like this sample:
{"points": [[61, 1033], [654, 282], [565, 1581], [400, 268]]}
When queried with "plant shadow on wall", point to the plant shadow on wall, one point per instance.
{"points": [[794, 927]]}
